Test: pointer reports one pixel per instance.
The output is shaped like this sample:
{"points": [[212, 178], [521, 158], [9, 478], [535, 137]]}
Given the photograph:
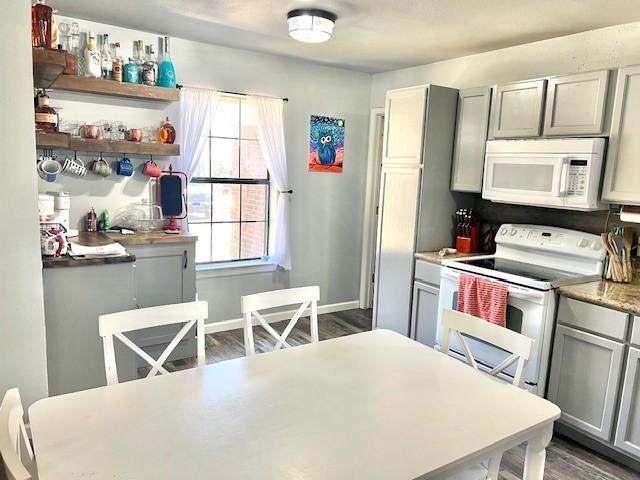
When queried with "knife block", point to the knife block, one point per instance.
{"points": [[471, 243]]}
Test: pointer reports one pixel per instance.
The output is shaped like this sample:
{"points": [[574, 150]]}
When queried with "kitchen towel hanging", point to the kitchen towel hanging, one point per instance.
{"points": [[483, 298]]}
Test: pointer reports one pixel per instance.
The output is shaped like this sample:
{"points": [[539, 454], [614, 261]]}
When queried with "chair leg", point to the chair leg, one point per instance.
{"points": [[249, 348], [314, 322], [494, 467]]}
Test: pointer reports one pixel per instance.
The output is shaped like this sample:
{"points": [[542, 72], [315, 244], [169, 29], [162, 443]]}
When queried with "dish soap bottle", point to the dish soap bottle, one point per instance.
{"points": [[92, 65], [167, 132], [166, 71]]}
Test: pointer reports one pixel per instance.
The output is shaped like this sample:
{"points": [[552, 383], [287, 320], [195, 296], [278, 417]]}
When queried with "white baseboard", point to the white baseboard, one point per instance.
{"points": [[236, 323]]}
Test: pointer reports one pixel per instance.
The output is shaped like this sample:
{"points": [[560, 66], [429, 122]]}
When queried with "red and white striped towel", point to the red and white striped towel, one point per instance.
{"points": [[483, 298]]}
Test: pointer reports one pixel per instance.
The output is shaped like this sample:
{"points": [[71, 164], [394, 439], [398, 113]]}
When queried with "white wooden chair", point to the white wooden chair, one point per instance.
{"points": [[461, 325], [115, 325], [251, 304], [15, 449]]}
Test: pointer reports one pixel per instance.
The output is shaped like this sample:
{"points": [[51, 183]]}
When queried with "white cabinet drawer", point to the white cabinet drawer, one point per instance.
{"points": [[593, 318], [427, 272]]}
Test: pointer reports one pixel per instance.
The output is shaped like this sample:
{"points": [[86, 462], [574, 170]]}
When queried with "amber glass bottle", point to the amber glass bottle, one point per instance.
{"points": [[46, 116], [167, 132], [41, 24]]}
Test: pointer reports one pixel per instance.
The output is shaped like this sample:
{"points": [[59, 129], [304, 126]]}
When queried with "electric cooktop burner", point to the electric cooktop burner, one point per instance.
{"points": [[521, 269]]}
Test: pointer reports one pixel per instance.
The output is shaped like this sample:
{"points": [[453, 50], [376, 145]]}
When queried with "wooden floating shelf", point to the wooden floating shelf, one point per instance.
{"points": [[62, 141], [97, 86], [48, 65], [52, 140]]}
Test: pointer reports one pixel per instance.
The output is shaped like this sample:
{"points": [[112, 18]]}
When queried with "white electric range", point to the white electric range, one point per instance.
{"points": [[532, 260]]}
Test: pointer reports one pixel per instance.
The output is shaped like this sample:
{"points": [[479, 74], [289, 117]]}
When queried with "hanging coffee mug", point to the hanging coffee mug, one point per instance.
{"points": [[101, 167], [125, 167], [151, 169], [48, 169]]}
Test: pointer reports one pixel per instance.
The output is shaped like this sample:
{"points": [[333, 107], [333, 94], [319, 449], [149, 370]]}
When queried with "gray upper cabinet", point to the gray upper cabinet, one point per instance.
{"points": [[471, 138], [517, 109], [404, 118], [628, 431], [576, 104], [584, 380], [622, 167]]}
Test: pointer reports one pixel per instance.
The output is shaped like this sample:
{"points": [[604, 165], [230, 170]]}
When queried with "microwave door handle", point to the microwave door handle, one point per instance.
{"points": [[564, 174]]}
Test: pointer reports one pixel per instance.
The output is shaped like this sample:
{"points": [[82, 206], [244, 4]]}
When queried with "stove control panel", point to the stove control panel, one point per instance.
{"points": [[551, 239]]}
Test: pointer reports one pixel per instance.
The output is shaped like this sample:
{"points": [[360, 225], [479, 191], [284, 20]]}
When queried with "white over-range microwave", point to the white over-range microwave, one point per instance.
{"points": [[555, 173]]}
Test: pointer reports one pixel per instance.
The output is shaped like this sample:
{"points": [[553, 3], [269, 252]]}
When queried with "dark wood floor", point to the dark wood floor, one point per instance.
{"points": [[565, 458]]}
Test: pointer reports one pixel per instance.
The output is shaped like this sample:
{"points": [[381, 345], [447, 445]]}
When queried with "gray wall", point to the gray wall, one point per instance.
{"points": [[326, 208], [22, 334]]}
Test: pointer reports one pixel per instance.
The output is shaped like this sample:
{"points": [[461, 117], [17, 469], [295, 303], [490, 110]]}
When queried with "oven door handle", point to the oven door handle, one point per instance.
{"points": [[514, 292]]}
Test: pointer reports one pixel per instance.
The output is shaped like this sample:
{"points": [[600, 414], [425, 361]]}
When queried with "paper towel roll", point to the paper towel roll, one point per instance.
{"points": [[630, 214]]}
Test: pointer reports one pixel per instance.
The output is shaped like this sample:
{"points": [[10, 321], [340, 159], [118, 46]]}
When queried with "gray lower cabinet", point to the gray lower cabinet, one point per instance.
{"points": [[424, 313], [584, 381], [517, 109], [622, 166], [628, 430], [74, 297], [472, 124], [164, 274], [576, 104]]}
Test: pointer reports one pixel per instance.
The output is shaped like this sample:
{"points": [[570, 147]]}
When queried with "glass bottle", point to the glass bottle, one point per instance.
{"points": [[92, 58], [130, 72], [138, 57], [148, 68], [41, 17], [167, 133], [46, 117], [74, 45], [166, 71], [117, 64], [106, 62]]}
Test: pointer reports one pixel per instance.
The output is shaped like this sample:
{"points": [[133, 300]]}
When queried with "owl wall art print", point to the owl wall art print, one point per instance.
{"points": [[326, 144]]}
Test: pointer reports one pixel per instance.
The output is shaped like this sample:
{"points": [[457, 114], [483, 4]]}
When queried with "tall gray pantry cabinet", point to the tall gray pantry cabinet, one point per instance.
{"points": [[415, 201]]}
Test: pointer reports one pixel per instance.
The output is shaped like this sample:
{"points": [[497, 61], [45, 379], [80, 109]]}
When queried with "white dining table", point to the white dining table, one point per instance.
{"points": [[374, 405]]}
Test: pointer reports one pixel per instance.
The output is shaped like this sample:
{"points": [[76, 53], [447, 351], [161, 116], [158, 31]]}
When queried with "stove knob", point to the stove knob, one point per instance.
{"points": [[583, 243], [596, 246], [503, 231], [513, 232]]}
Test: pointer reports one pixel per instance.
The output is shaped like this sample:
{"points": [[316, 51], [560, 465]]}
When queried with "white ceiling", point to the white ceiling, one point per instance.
{"points": [[370, 35]]}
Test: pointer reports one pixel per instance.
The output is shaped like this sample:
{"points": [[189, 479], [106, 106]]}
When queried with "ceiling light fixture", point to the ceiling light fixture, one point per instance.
{"points": [[311, 25]]}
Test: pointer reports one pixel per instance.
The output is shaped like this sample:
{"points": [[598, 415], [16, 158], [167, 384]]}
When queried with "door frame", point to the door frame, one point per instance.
{"points": [[369, 240]]}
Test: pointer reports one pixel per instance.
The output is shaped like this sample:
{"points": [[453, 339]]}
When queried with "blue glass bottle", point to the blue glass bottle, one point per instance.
{"points": [[166, 71], [130, 72]]}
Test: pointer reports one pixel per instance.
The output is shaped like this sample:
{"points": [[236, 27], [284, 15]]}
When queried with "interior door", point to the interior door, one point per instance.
{"points": [[397, 220]]}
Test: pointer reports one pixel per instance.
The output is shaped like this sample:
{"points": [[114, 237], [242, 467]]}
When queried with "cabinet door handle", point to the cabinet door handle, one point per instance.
{"points": [[185, 258]]}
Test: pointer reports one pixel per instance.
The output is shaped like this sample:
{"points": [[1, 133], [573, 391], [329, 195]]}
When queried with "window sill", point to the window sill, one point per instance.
{"points": [[230, 269]]}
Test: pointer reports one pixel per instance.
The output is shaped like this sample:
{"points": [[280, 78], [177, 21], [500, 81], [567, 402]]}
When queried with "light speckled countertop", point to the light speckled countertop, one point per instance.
{"points": [[619, 296], [433, 257]]}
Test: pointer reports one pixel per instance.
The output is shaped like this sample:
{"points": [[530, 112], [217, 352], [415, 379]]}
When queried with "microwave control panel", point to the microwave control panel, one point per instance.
{"points": [[577, 177]]}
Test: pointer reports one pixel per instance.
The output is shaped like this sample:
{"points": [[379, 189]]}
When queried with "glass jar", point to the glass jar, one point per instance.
{"points": [[167, 133]]}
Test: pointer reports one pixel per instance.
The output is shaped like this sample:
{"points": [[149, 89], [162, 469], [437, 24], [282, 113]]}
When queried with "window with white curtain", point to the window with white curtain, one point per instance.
{"points": [[230, 189]]}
